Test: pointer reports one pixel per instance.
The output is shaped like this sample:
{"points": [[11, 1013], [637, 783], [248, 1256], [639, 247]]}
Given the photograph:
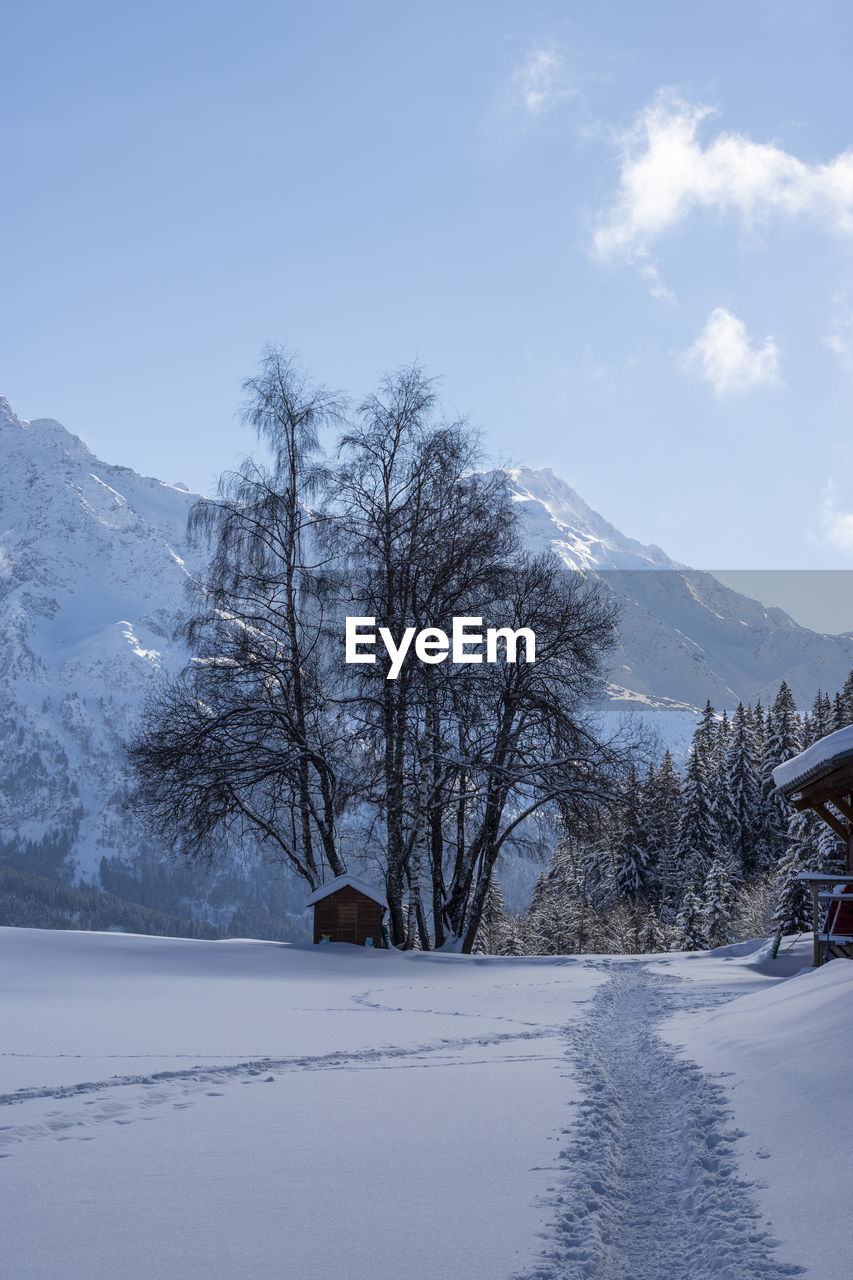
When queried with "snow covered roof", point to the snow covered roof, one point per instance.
{"points": [[342, 882], [821, 757]]}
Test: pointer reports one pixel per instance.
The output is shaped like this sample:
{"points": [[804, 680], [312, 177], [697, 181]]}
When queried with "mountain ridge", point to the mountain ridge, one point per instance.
{"points": [[684, 637], [94, 565]]}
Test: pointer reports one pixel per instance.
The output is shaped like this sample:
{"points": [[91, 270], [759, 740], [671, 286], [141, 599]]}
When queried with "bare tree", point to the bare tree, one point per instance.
{"points": [[417, 535], [248, 741], [468, 754], [529, 742], [270, 733]]}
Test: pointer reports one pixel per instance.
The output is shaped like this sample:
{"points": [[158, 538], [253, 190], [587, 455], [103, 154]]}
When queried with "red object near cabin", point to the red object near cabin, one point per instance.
{"points": [[840, 917]]}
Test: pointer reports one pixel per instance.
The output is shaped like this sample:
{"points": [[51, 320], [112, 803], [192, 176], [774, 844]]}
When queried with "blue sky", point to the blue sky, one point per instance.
{"points": [[620, 233]]}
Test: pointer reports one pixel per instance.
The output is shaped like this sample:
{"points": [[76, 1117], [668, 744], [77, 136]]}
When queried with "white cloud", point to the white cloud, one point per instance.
{"points": [[724, 356], [839, 338], [658, 289], [840, 345], [837, 525], [541, 82], [666, 174]]}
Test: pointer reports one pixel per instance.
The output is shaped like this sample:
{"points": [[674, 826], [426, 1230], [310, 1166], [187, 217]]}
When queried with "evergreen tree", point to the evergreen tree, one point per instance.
{"points": [[847, 702], [689, 925], [705, 734], [494, 922], [663, 814], [824, 716], [831, 851], [721, 740], [652, 935], [717, 904], [782, 741], [820, 721], [784, 732], [739, 813], [560, 913], [651, 843], [756, 722], [698, 836], [541, 919], [622, 929], [629, 855], [793, 913], [513, 943]]}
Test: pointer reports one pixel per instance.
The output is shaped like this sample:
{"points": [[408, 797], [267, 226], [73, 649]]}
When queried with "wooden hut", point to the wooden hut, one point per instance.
{"points": [[821, 779], [348, 909]]}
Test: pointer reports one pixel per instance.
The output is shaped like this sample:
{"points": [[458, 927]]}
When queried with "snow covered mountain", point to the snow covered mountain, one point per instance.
{"points": [[683, 636], [557, 519], [93, 570], [92, 575]]}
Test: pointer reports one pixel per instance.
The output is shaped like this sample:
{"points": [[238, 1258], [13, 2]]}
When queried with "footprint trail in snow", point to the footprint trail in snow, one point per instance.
{"points": [[653, 1190]]}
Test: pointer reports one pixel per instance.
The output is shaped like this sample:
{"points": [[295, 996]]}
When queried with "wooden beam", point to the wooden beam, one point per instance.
{"points": [[843, 805], [840, 829], [817, 955], [839, 782]]}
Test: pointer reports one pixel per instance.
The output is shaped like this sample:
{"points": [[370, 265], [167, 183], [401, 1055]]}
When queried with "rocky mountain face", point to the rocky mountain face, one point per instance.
{"points": [[93, 572], [92, 576], [684, 638], [94, 567]]}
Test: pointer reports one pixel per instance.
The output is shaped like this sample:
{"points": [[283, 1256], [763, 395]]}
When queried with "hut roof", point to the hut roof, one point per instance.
{"points": [[822, 757], [343, 882]]}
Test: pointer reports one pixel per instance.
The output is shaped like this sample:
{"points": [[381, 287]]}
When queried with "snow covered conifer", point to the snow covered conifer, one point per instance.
{"points": [[513, 943], [831, 853], [549, 918], [722, 738], [653, 937], [663, 813], [793, 913], [839, 712], [689, 925], [846, 707], [756, 721], [698, 836], [821, 720], [651, 837], [706, 730], [556, 920], [494, 921], [739, 811], [783, 739], [717, 904], [629, 855]]}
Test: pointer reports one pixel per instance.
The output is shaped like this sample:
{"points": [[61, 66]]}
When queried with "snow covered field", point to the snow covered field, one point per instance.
{"points": [[229, 1109]]}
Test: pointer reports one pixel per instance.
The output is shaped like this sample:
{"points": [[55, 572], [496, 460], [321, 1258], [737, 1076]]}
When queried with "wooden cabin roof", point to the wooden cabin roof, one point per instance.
{"points": [[827, 765], [346, 882]]}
